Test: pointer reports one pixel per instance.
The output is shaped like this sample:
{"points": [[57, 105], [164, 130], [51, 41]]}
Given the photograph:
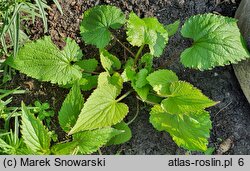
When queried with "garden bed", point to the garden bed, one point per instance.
{"points": [[230, 118]]}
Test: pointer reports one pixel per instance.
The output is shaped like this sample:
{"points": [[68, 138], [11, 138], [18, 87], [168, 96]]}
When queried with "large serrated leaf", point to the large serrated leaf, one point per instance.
{"points": [[35, 135], [217, 42], [189, 131], [160, 81], [71, 108], [147, 31], [86, 142], [96, 24], [101, 110], [44, 61], [185, 98]]}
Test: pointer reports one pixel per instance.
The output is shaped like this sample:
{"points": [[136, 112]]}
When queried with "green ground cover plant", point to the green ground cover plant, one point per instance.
{"points": [[178, 107]]}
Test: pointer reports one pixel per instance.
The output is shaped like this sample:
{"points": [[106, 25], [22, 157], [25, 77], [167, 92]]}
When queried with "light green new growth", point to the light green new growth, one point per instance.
{"points": [[160, 81], [147, 31], [185, 98], [109, 62], [189, 131], [101, 110]]}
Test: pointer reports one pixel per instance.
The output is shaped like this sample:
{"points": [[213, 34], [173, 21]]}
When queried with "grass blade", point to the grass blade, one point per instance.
{"points": [[6, 27], [16, 34], [58, 6], [4, 45], [43, 13]]}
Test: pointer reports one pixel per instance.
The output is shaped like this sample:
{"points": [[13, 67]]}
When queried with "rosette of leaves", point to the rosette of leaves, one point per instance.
{"points": [[178, 107]]}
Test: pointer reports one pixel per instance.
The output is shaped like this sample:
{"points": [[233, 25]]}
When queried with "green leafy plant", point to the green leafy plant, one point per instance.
{"points": [[43, 112], [178, 107]]}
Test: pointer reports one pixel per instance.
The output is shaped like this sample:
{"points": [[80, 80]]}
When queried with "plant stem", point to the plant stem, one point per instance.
{"points": [[136, 114], [138, 54], [124, 95], [146, 101], [95, 73], [123, 46], [99, 151]]}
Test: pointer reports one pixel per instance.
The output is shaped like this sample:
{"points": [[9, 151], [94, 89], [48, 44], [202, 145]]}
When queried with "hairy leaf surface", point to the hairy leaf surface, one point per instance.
{"points": [[44, 61], [96, 24], [35, 135], [189, 131], [160, 81], [106, 79], [147, 31], [185, 98], [71, 108], [101, 110], [86, 142], [217, 42]]}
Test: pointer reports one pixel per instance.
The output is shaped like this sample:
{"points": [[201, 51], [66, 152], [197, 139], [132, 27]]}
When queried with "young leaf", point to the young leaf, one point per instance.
{"points": [[96, 24], [86, 142], [101, 110], [185, 98], [147, 61], [123, 137], [129, 73], [109, 61], [160, 81], [189, 131], [147, 31], [140, 83], [172, 28], [71, 108], [91, 82], [44, 61], [88, 65], [115, 80], [35, 135], [142, 92], [217, 42], [141, 80]]}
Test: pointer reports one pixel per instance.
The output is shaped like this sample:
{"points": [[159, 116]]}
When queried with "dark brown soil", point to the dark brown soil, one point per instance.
{"points": [[231, 117]]}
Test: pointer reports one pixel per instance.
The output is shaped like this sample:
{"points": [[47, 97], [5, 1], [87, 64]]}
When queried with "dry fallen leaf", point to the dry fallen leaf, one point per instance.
{"points": [[225, 145]]}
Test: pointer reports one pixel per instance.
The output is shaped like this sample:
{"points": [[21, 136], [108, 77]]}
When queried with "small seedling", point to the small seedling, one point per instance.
{"points": [[43, 112]]}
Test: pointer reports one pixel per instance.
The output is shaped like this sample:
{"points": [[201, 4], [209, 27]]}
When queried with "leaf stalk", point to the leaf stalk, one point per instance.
{"points": [[124, 95], [138, 54]]}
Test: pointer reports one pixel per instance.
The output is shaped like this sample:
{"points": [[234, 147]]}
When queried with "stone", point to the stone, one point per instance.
{"points": [[242, 69]]}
